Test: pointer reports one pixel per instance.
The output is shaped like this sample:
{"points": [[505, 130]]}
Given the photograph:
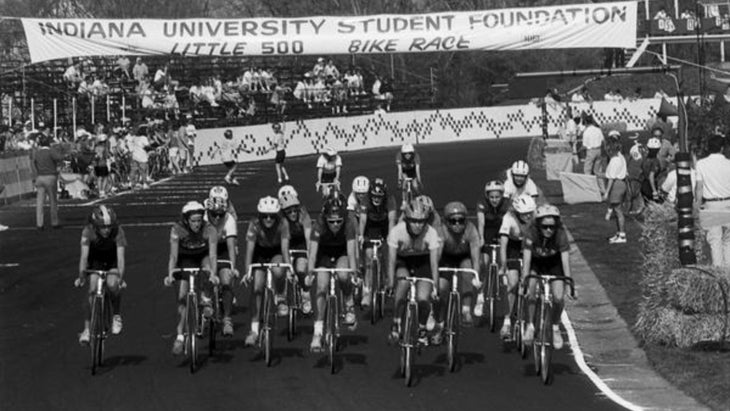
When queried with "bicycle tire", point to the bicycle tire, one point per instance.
{"points": [[491, 297], [213, 322], [452, 330], [546, 353], [520, 325], [331, 331], [192, 331], [292, 293], [410, 341], [266, 334], [538, 341], [95, 333], [374, 288]]}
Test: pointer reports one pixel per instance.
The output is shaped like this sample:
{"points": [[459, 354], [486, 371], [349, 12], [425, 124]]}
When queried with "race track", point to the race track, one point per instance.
{"points": [[43, 367]]}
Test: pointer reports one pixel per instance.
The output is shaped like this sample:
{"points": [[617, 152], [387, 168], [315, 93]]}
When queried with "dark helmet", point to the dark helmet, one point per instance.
{"points": [[103, 216], [378, 188], [334, 207]]}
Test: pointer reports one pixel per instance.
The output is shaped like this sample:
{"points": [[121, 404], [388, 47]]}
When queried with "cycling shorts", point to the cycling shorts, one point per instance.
{"points": [[98, 264], [263, 255], [548, 266], [328, 261], [280, 156], [417, 265], [453, 260], [514, 254], [191, 260]]}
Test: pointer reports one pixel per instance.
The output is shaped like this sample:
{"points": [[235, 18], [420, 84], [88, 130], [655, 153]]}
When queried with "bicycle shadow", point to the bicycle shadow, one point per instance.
{"points": [[462, 359], [111, 363], [422, 371], [281, 353], [340, 360], [557, 369], [347, 340]]}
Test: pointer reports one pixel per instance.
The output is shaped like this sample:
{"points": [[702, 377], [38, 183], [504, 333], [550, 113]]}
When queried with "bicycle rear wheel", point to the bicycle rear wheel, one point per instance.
{"points": [[546, 352], [331, 331], [375, 294], [96, 339], [213, 322], [520, 325], [409, 341], [292, 299], [266, 333], [491, 293], [452, 329], [538, 341], [192, 331]]}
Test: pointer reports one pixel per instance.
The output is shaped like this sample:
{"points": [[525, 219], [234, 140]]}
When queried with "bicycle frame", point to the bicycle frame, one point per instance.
{"points": [[453, 306], [267, 314], [409, 328], [326, 188], [492, 285], [332, 314], [99, 319], [377, 303], [192, 327], [294, 293], [407, 189]]}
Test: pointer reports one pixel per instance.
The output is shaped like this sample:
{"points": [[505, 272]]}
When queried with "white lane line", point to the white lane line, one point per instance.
{"points": [[597, 381], [125, 225], [9, 265]]}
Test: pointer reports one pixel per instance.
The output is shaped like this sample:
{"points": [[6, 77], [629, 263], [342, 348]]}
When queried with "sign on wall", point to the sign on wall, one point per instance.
{"points": [[567, 26]]}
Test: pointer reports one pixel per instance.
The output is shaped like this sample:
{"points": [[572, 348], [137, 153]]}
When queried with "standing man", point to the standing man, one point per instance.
{"points": [[666, 151], [44, 162], [140, 70], [713, 189], [592, 141]]}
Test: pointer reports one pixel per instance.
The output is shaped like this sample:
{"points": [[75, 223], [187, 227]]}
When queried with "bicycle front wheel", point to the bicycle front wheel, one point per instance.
{"points": [[192, 331], [292, 299], [452, 330], [331, 331], [409, 342], [538, 341], [266, 333], [491, 296], [546, 352], [96, 331], [374, 294]]}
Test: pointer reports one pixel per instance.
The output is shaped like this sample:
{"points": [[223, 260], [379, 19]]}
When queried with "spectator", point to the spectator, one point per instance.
{"points": [[101, 164], [73, 76], [278, 97], [383, 91], [45, 161], [661, 14], [650, 170], [666, 151], [247, 80], [616, 190], [592, 142], [138, 145], [330, 70], [5, 137], [302, 92], [122, 69], [338, 92], [162, 78], [190, 133], [140, 70], [318, 71], [634, 161], [713, 190], [178, 150]]}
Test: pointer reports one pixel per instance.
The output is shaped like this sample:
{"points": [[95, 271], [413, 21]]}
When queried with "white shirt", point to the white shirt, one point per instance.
{"points": [[511, 190], [328, 167], [670, 184], [226, 227], [512, 227], [592, 137], [616, 168], [713, 172], [137, 147]]}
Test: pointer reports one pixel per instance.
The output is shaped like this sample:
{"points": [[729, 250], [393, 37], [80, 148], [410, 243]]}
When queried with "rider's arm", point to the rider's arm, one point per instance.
{"points": [[362, 222], [503, 240], [232, 251], [213, 251], [313, 249], [83, 260], [307, 224], [565, 259], [526, 261], [480, 226], [418, 174], [392, 251], [352, 253], [475, 246], [435, 252], [174, 247], [120, 260], [285, 241], [337, 173], [319, 176]]}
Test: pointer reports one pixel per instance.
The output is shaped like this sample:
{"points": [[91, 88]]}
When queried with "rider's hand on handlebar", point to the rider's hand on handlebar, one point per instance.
{"points": [[169, 280], [80, 281], [235, 273], [214, 279], [246, 280]]}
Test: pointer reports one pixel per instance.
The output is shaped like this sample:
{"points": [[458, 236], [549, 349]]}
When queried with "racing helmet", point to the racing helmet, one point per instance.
{"points": [[547, 210], [190, 208], [416, 210], [268, 205], [330, 152], [654, 143], [102, 216], [524, 203], [378, 188], [215, 205], [228, 134], [520, 168], [454, 208], [287, 190], [407, 148], [288, 200], [427, 202], [494, 185], [218, 192], [360, 185], [334, 207]]}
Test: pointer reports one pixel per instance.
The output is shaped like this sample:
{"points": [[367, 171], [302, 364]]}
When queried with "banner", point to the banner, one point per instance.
{"points": [[568, 26]]}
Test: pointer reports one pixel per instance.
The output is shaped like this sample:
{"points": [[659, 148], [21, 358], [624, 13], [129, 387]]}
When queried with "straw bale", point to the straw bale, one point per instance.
{"points": [[658, 326], [694, 292], [670, 327]]}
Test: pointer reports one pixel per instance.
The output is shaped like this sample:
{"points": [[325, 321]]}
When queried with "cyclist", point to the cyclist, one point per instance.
{"points": [[360, 188], [433, 218], [102, 248], [300, 229], [227, 233], [546, 250], [490, 212], [329, 165], [267, 241], [408, 163], [511, 233], [518, 181], [333, 245], [377, 219], [220, 193], [193, 244], [413, 250], [459, 249]]}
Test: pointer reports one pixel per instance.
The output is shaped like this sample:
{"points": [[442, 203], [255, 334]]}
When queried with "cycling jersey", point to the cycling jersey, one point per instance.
{"points": [[225, 229], [297, 239], [377, 222], [329, 168], [458, 245], [192, 247], [514, 230], [267, 241], [102, 251], [546, 252], [414, 253], [408, 165], [512, 191], [492, 219], [332, 246]]}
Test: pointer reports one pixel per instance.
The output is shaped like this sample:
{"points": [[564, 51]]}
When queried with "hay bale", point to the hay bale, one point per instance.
{"points": [[699, 328], [658, 326], [659, 246], [694, 292]]}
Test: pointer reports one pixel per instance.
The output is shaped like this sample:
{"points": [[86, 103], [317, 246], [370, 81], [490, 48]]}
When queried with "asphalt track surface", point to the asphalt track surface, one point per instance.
{"points": [[43, 367]]}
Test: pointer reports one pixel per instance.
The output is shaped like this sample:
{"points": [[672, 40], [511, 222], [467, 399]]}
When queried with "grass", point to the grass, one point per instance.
{"points": [[703, 374]]}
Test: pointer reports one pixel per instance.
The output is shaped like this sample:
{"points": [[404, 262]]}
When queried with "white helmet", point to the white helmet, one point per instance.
{"points": [[330, 152], [407, 148], [218, 192], [520, 168], [524, 203], [288, 200], [654, 143], [494, 185], [360, 185], [287, 190], [635, 152], [192, 207], [268, 205], [547, 210]]}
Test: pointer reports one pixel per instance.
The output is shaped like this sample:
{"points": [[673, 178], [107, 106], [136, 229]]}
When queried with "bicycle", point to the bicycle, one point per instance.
{"points": [[377, 290], [215, 320], [294, 295], [193, 327], [407, 189], [520, 316], [327, 189], [491, 291], [542, 346], [268, 311], [332, 312], [101, 317], [409, 329], [453, 309]]}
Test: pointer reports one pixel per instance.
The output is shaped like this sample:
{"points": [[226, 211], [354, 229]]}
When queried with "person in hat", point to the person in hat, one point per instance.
{"points": [[713, 195], [592, 141], [280, 147], [45, 161]]}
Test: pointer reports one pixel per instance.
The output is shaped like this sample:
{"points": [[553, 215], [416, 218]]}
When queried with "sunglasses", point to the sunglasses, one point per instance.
{"points": [[105, 227], [335, 221], [548, 227], [459, 221], [417, 220], [217, 214], [267, 216], [292, 210]]}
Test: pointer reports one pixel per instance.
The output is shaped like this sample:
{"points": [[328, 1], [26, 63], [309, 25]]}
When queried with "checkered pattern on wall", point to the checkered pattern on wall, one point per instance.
{"points": [[419, 127]]}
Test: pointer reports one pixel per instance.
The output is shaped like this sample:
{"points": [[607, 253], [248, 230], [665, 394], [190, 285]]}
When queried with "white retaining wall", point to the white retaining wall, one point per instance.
{"points": [[420, 127]]}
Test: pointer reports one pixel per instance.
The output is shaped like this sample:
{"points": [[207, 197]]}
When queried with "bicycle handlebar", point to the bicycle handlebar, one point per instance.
{"points": [[552, 278], [268, 266], [474, 273], [301, 253], [416, 279]]}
